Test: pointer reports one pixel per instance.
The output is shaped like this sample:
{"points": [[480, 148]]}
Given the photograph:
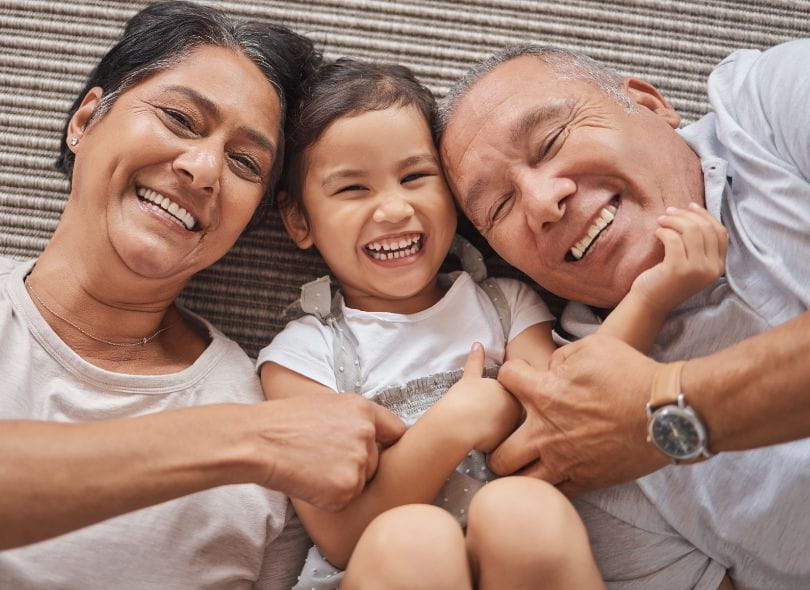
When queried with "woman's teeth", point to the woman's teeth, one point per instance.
{"points": [[396, 248], [175, 210], [605, 218]]}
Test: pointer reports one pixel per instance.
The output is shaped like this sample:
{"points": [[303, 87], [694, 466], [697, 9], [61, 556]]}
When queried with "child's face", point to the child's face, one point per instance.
{"points": [[380, 212]]}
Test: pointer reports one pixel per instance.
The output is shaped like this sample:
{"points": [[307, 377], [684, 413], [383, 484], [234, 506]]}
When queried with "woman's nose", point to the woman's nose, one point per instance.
{"points": [[200, 166]]}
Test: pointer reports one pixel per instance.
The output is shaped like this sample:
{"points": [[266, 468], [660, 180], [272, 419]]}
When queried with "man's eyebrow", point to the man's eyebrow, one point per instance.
{"points": [[531, 119], [473, 196], [207, 104]]}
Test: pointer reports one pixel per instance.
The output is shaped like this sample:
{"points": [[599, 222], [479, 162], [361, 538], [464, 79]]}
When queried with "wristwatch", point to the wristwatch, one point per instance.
{"points": [[673, 426]]}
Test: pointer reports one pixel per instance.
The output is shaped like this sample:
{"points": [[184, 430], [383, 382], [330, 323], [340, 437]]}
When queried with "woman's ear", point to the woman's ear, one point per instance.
{"points": [[80, 119], [648, 96], [295, 221]]}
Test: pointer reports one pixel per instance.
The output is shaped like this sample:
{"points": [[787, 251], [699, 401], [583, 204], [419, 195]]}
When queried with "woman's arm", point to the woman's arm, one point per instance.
{"points": [[55, 478], [475, 413]]}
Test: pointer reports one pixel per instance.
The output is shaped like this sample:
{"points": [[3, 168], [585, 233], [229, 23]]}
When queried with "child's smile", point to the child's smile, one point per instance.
{"points": [[378, 209]]}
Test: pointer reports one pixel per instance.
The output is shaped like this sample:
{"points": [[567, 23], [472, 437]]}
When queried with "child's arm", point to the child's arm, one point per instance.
{"points": [[476, 413], [694, 255]]}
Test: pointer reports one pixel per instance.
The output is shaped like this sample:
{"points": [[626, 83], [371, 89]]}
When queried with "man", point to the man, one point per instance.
{"points": [[537, 143]]}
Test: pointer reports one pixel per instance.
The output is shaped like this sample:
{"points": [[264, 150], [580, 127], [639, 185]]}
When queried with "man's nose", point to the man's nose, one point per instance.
{"points": [[200, 165], [544, 198], [393, 207]]}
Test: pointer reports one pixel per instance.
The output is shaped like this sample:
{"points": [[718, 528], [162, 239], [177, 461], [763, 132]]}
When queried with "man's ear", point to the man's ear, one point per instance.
{"points": [[295, 222], [648, 96], [80, 119]]}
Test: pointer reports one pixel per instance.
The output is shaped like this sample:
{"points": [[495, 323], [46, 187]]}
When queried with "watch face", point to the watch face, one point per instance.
{"points": [[674, 431]]}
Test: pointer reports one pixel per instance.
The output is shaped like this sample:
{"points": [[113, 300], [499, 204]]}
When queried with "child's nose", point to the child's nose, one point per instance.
{"points": [[393, 209]]}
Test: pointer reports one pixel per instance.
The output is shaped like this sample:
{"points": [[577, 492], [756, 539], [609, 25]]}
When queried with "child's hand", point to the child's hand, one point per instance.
{"points": [[484, 410], [695, 246]]}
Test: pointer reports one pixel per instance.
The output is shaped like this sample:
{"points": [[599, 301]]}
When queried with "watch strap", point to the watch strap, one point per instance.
{"points": [[666, 384]]}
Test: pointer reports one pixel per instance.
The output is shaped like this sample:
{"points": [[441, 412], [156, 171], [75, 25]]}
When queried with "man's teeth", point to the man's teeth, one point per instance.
{"points": [[604, 219], [396, 248], [169, 206]]}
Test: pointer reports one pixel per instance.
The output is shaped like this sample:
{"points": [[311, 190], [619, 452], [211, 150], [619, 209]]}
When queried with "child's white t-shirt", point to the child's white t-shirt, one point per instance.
{"points": [[396, 348]]}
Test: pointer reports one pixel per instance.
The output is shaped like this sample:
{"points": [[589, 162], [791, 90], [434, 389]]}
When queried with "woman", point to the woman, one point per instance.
{"points": [[99, 366]]}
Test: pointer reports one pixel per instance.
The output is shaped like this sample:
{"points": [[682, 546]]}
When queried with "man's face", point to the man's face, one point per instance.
{"points": [[565, 181]]}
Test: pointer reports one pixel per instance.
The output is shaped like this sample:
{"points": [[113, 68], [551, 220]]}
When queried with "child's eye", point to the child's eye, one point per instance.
{"points": [[414, 176], [350, 188]]}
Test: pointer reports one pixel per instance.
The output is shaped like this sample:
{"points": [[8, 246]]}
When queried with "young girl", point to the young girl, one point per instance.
{"points": [[364, 185]]}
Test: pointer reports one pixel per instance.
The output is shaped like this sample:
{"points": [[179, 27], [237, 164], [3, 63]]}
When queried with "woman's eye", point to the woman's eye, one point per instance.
{"points": [[179, 118], [247, 163]]}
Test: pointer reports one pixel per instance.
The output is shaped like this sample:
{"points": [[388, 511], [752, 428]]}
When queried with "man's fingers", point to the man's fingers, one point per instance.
{"points": [[388, 427], [514, 453], [519, 378], [474, 365]]}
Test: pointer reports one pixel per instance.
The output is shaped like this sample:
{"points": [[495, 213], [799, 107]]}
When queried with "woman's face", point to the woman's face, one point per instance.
{"points": [[168, 178]]}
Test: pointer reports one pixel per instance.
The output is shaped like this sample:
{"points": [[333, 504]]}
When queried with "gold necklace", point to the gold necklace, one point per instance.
{"points": [[142, 342]]}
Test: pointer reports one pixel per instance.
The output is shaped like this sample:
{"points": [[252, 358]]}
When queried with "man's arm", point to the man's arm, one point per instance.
{"points": [[586, 419], [475, 413], [55, 478]]}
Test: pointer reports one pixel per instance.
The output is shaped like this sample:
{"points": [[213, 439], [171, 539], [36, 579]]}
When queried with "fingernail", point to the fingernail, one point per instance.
{"points": [[694, 206], [476, 346], [672, 210]]}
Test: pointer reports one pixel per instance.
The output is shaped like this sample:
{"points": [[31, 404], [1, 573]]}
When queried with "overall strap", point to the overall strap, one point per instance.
{"points": [[473, 263], [316, 300]]}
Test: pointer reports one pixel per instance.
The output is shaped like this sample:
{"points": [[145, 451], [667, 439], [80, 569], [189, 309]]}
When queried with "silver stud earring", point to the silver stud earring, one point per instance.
{"points": [[74, 141]]}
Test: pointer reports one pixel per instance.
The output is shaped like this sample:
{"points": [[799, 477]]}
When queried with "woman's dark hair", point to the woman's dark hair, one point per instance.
{"points": [[344, 88], [161, 35]]}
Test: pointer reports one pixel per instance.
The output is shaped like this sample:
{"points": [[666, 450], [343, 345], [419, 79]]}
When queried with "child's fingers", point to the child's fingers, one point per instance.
{"points": [[474, 366], [720, 232], [698, 237], [674, 250]]}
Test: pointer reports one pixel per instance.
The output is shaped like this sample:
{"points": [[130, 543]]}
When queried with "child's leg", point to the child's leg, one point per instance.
{"points": [[523, 533], [410, 548]]}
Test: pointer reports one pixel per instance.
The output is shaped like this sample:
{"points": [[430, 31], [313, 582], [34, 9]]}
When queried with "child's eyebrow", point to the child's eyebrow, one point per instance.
{"points": [[340, 175], [425, 158]]}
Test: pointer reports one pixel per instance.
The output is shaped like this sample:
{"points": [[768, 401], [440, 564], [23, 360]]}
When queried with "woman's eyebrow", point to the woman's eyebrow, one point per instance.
{"points": [[260, 139]]}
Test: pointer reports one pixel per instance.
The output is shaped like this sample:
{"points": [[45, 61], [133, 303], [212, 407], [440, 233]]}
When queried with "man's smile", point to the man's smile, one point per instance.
{"points": [[603, 219]]}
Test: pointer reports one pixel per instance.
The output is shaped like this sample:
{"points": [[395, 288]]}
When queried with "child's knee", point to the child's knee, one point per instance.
{"points": [[415, 546], [519, 510]]}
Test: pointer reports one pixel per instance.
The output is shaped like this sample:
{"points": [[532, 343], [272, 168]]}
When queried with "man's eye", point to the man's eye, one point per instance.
{"points": [[550, 144], [499, 210]]}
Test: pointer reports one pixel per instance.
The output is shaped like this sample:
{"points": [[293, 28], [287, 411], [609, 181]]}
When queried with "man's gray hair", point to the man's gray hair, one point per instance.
{"points": [[567, 64]]}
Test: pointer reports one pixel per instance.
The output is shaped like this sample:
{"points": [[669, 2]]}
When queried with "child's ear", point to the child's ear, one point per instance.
{"points": [[78, 122], [295, 222]]}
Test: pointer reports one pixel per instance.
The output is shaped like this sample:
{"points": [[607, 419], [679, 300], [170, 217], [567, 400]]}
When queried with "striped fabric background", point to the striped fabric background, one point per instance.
{"points": [[47, 47]]}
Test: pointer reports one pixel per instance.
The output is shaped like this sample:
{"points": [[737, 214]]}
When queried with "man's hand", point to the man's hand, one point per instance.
{"points": [[323, 447], [585, 425]]}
